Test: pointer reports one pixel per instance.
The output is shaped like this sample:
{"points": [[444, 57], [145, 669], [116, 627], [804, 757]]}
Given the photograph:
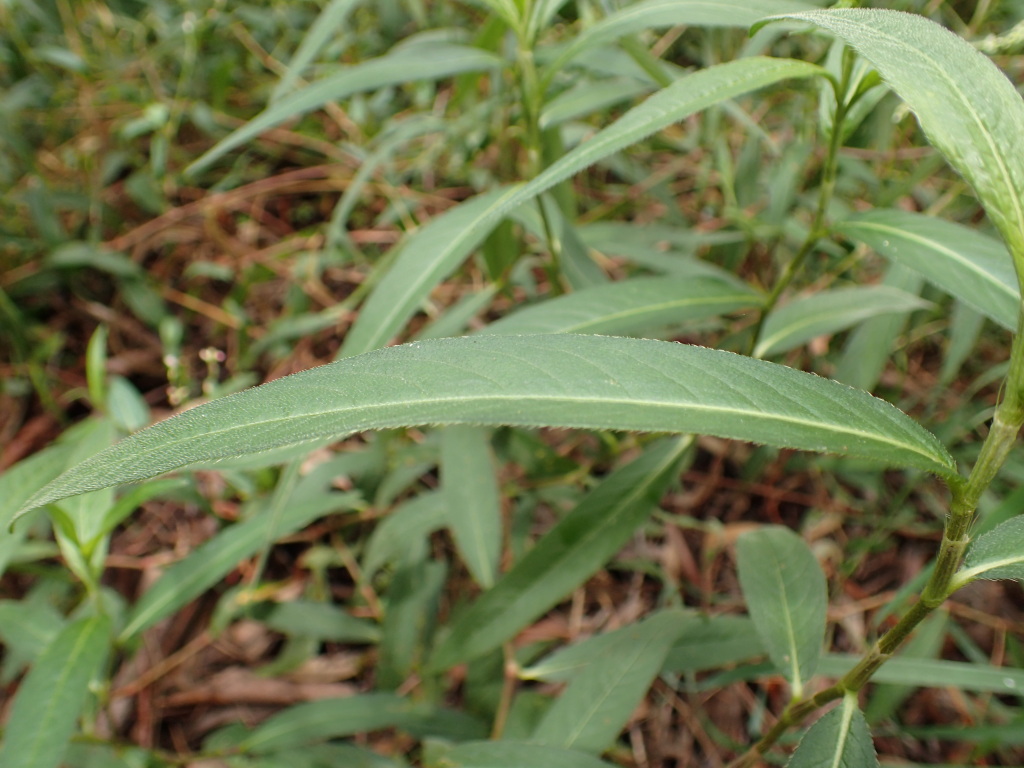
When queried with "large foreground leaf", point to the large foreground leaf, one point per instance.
{"points": [[964, 263], [967, 108], [598, 382]]}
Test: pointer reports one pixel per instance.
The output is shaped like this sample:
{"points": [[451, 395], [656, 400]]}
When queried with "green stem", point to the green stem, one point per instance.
{"points": [[818, 229], [533, 98], [1002, 435]]}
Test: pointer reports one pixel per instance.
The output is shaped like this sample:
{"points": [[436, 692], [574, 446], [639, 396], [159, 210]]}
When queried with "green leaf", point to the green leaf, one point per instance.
{"points": [[408, 63], [600, 699], [438, 248], [318, 35], [596, 382], [211, 561], [827, 312], [787, 599], [473, 499], [998, 554], [655, 14], [49, 701], [430, 255], [511, 754], [925, 673], [571, 552], [628, 307], [17, 484], [315, 721], [320, 621], [974, 268], [868, 348], [966, 107], [404, 531], [840, 739]]}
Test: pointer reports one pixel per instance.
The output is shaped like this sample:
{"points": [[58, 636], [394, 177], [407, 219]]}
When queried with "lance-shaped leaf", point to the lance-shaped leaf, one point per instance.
{"points": [[840, 739], [787, 598], [600, 699], [826, 312], [966, 107], [49, 701], [998, 554], [598, 382], [409, 63], [473, 498], [628, 307], [966, 264], [436, 251], [655, 14], [512, 754], [570, 553]]}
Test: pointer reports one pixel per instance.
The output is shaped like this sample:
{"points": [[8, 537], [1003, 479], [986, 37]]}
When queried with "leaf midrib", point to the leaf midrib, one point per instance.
{"points": [[830, 427]]}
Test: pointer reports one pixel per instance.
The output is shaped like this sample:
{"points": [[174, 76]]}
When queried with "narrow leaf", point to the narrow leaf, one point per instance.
{"points": [[436, 250], [827, 312], [840, 739], [628, 307], [593, 710], [868, 349], [572, 551], [787, 599], [427, 258], [966, 107], [315, 721], [320, 621], [966, 264], [565, 380], [511, 754], [211, 561], [326, 25], [473, 499], [923, 673], [46, 708], [407, 64], [998, 554], [655, 14]]}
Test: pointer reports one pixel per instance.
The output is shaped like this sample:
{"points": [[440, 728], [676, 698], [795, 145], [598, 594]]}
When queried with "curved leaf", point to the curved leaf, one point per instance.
{"points": [[655, 14], [407, 64], [825, 312], [600, 699], [628, 307], [434, 252], [787, 599], [513, 754], [49, 701], [840, 739], [570, 553], [998, 554], [972, 267], [966, 107], [565, 380]]}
